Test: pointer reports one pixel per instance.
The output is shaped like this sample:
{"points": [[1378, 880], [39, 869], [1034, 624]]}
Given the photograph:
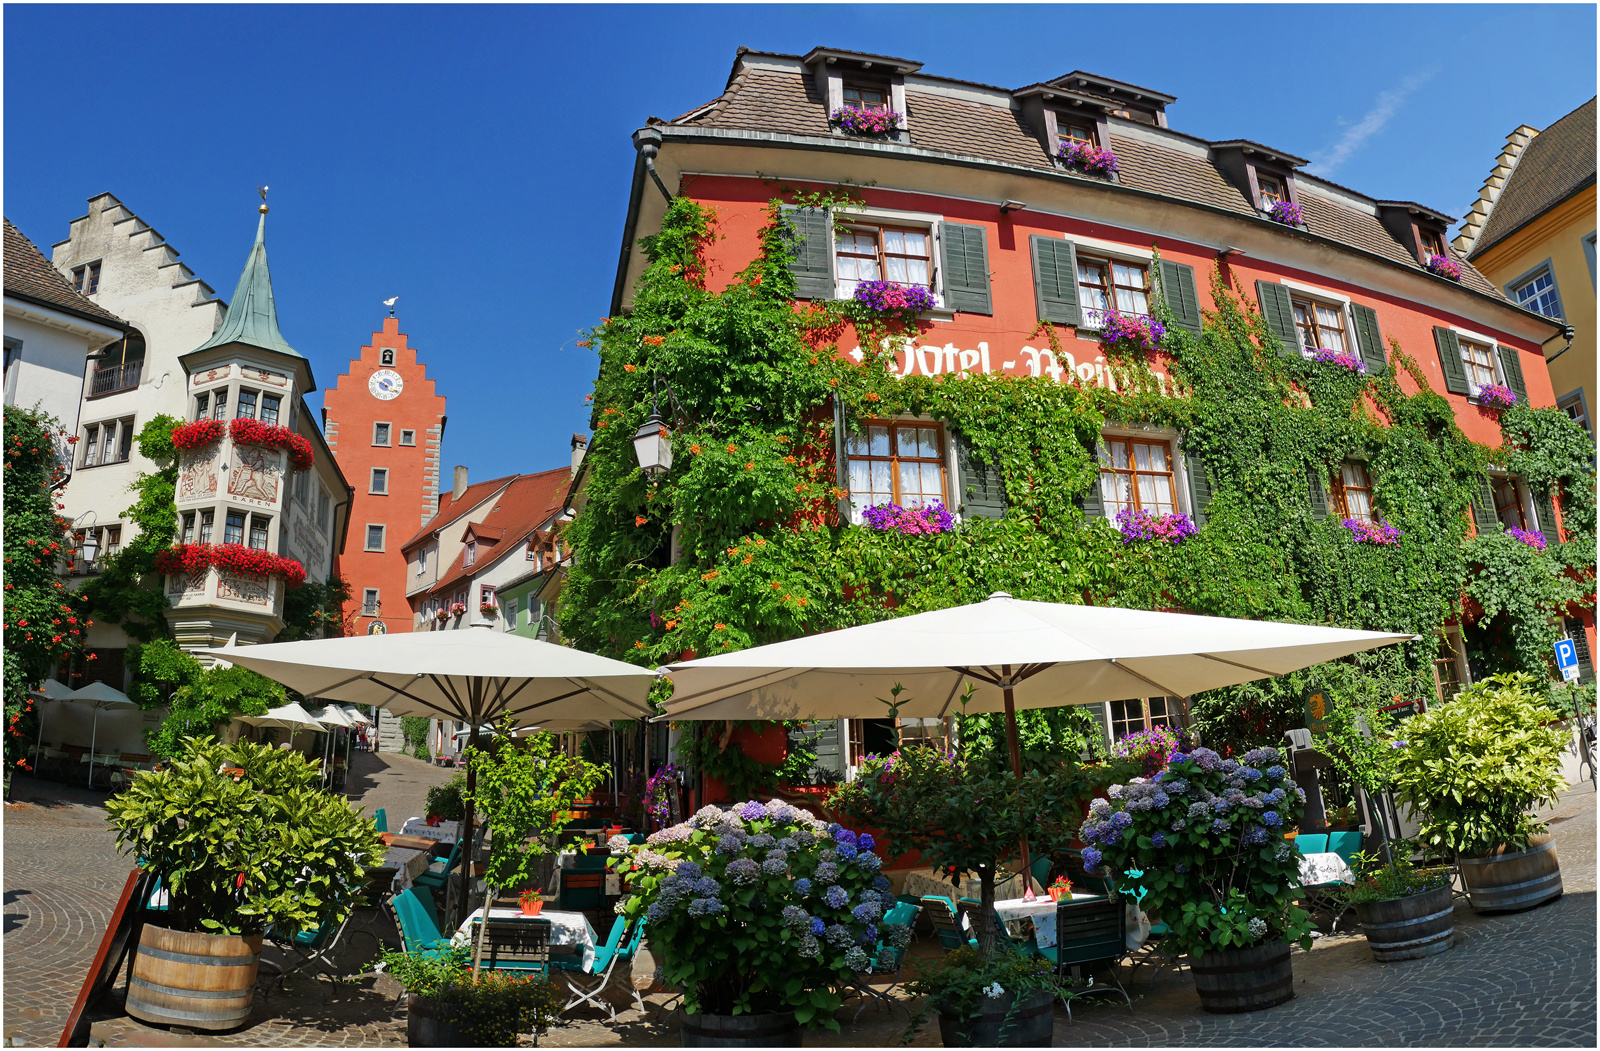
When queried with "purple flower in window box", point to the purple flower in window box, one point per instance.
{"points": [[1532, 537], [1087, 158], [913, 521], [1285, 212], [1495, 396], [887, 297], [1130, 331], [1444, 266], [1381, 534], [854, 120], [1343, 359], [1138, 524]]}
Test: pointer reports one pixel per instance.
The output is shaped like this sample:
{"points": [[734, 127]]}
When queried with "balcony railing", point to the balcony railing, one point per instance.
{"points": [[113, 378]]}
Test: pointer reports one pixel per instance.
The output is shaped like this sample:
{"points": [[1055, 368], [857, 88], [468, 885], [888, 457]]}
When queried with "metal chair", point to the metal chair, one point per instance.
{"points": [[886, 958], [610, 959], [418, 924], [1090, 932]]}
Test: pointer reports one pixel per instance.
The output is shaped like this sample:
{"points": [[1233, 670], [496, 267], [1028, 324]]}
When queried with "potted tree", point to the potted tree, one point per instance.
{"points": [[236, 853], [1207, 834], [444, 802], [1405, 912], [447, 1007], [1477, 766], [759, 914]]}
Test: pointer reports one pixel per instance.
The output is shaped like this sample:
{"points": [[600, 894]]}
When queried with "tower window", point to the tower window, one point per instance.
{"points": [[86, 278], [408, 437], [258, 531], [386, 356], [202, 406], [369, 602], [374, 538], [247, 405], [470, 557], [269, 408], [380, 481], [219, 406], [380, 434], [206, 520], [233, 528]]}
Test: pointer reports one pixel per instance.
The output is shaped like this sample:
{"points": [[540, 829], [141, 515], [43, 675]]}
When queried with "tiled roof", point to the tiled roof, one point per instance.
{"points": [[1559, 161], [29, 274], [785, 101], [520, 508], [452, 511]]}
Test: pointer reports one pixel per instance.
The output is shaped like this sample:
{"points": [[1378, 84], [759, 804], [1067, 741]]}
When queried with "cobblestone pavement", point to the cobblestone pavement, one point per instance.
{"points": [[1524, 979]]}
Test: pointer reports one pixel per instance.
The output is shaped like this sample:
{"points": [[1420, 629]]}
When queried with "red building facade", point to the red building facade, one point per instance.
{"points": [[385, 424]]}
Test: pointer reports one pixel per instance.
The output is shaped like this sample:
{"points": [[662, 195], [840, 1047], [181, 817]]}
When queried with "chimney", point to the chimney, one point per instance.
{"points": [[460, 485], [580, 445]]}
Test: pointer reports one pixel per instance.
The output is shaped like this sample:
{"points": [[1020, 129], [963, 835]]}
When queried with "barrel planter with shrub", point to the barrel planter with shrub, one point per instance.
{"points": [[199, 981], [1409, 928], [428, 1026], [1232, 981], [775, 1029], [1002, 1021], [448, 1006], [1510, 880]]}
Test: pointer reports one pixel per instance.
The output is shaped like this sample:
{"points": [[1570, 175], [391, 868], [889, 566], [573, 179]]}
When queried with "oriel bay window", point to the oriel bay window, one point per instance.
{"points": [[246, 409], [1352, 492], [258, 531], [1111, 284], [269, 408], [883, 253], [896, 463], [1136, 474], [233, 528], [206, 520]]}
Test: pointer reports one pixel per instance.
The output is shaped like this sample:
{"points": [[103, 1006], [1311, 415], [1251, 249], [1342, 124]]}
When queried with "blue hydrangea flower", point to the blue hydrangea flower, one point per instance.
{"points": [[1177, 757], [1176, 786], [809, 947], [1206, 759], [778, 810], [865, 842], [1219, 805], [856, 959], [788, 845], [868, 862], [1091, 860], [706, 887], [795, 918], [1178, 824], [705, 907], [743, 871], [827, 872], [753, 811], [828, 855], [838, 935], [1159, 839], [835, 897], [881, 884], [1099, 807], [688, 870], [1229, 767], [658, 911], [1275, 773], [1250, 773], [762, 841], [1256, 836], [1283, 852], [867, 912], [869, 935], [777, 855], [775, 866], [845, 837], [846, 852], [731, 843], [1270, 818], [1121, 819], [1221, 825], [817, 925], [1180, 867], [802, 887], [1255, 802], [1198, 810], [1257, 927]]}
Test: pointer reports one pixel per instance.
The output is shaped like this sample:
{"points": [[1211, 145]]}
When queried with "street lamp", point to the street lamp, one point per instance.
{"points": [[652, 442]]}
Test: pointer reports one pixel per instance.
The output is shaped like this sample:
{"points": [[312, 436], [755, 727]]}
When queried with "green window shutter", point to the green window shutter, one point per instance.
{"points": [[1090, 501], [841, 459], [812, 264], [1278, 312], [1483, 516], [1512, 367], [1055, 279], [982, 490], [1199, 488], [965, 252], [1455, 373], [1319, 493], [1178, 289], [1547, 514], [1369, 339]]}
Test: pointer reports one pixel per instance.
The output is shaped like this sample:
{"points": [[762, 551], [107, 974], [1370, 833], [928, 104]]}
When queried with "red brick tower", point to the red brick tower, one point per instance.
{"points": [[384, 424]]}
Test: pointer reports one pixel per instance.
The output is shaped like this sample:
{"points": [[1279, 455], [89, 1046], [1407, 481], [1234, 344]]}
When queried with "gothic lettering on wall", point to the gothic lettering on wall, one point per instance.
{"points": [[911, 358], [242, 588], [254, 473], [305, 544], [197, 475]]}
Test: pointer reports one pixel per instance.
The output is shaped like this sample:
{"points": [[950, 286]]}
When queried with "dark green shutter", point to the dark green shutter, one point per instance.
{"points": [[1278, 312], [1513, 370], [982, 491], [1483, 516], [1178, 289], [1055, 279], [1319, 493], [1090, 501], [841, 459], [1547, 514], [1199, 488], [823, 736], [812, 264], [965, 251], [1455, 373], [1369, 339], [1580, 645]]}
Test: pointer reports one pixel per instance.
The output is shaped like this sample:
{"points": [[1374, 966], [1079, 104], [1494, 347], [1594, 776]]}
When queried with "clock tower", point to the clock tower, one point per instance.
{"points": [[385, 424]]}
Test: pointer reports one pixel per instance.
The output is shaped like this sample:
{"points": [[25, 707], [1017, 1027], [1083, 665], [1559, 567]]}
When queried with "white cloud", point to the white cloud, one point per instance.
{"points": [[1387, 104]]}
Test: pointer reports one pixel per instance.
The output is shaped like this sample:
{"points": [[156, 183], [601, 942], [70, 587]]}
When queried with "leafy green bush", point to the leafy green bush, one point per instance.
{"points": [[959, 983], [239, 852], [1479, 764], [445, 801], [198, 700], [523, 787], [492, 1010]]}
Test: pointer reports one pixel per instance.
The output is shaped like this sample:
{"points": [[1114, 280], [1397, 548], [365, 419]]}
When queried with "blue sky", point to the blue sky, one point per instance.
{"points": [[476, 161]]}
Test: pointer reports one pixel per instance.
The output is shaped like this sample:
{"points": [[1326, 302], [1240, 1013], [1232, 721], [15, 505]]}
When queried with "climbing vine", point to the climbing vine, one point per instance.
{"points": [[742, 543]]}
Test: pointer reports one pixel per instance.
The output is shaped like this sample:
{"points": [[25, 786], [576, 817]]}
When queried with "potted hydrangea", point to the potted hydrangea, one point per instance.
{"points": [[759, 913], [1207, 834]]}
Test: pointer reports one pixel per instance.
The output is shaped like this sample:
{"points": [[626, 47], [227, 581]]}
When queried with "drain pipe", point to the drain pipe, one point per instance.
{"points": [[648, 142]]}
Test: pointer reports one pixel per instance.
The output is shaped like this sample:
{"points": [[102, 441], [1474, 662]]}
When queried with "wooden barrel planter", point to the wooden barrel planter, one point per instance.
{"points": [[1032, 1024], [426, 1027], [200, 981], [778, 1029], [1232, 981], [1509, 881], [1409, 928]]}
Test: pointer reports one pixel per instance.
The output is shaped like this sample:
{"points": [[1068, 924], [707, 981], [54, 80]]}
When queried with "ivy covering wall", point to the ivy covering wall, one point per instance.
{"points": [[751, 503]]}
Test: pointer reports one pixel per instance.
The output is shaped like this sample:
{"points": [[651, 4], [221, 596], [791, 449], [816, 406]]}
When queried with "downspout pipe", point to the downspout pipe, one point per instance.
{"points": [[647, 141]]}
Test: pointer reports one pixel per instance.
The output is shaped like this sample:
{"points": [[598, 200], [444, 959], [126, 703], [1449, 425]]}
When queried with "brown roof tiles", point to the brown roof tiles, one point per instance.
{"points": [[1557, 163], [29, 275]]}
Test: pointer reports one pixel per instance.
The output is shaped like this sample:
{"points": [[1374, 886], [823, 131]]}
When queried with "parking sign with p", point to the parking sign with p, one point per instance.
{"points": [[1567, 659]]}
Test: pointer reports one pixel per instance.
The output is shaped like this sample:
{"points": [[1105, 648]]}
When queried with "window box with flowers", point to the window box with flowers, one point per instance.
{"points": [[867, 123], [1136, 524], [1088, 158], [1339, 358], [912, 521], [1444, 266], [1496, 396], [441, 615], [194, 559], [457, 609], [254, 432], [1287, 213], [197, 435], [890, 299], [489, 609], [1379, 534], [1130, 332]]}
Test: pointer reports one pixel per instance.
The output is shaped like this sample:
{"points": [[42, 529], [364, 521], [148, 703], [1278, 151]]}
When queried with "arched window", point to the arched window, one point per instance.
{"points": [[386, 356]]}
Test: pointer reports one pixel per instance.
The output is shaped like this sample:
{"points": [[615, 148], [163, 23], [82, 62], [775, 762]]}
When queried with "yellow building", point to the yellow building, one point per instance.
{"points": [[1532, 233]]}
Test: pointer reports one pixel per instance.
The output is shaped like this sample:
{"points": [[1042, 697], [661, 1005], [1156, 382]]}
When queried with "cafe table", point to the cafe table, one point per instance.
{"points": [[1320, 869], [408, 863], [570, 929], [1041, 910], [443, 832]]}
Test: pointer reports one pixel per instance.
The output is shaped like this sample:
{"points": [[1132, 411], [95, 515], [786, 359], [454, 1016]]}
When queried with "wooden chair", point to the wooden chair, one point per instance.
{"points": [[941, 913], [512, 945], [582, 891]]}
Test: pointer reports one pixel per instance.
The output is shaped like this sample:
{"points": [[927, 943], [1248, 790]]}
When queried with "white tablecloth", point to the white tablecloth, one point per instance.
{"points": [[407, 863], [1042, 911], [443, 832], [1316, 869], [931, 881], [566, 928]]}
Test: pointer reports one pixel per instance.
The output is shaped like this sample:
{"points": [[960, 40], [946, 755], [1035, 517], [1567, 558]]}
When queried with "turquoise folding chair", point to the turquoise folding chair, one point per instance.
{"points": [[946, 922], [419, 927], [380, 817], [608, 959], [1311, 842], [885, 959], [1345, 844], [1039, 869], [438, 874]]}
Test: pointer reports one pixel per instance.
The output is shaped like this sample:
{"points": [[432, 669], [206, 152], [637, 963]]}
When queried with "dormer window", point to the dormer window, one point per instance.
{"points": [[863, 96], [1429, 243], [1272, 191], [471, 555], [1071, 131]]}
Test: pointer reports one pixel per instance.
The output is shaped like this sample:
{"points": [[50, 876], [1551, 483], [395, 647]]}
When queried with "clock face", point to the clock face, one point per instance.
{"points": [[385, 384]]}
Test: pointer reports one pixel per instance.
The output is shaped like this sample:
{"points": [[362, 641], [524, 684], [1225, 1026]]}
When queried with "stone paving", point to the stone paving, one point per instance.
{"points": [[1524, 979]]}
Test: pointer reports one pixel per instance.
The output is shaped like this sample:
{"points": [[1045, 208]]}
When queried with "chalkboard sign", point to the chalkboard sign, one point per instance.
{"points": [[120, 941]]}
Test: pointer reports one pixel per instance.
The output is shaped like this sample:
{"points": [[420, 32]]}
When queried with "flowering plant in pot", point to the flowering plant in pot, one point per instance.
{"points": [[198, 434], [444, 802], [253, 432], [1206, 832], [762, 909], [1532, 537], [448, 1006], [1380, 534], [1496, 396], [1344, 816], [1285, 212], [891, 299], [1340, 358], [1149, 748], [913, 521], [441, 615], [1444, 266], [488, 609], [457, 609], [1137, 524], [1404, 911], [1060, 888], [868, 122], [531, 900], [1130, 332], [1088, 158]]}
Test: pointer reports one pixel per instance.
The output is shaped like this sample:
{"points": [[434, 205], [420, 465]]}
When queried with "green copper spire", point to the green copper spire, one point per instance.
{"points": [[252, 317]]}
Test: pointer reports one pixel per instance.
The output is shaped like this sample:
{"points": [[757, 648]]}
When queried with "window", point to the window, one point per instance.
{"points": [[1074, 133], [1271, 188], [369, 602], [269, 408], [861, 96], [108, 442], [1508, 505], [86, 278], [202, 405], [930, 732], [1136, 473], [1321, 325], [322, 509], [206, 520], [186, 536], [1479, 360], [302, 486], [1141, 713], [408, 437], [533, 553], [1352, 492], [1572, 404], [13, 360], [422, 561], [486, 595], [883, 253], [380, 434], [1447, 664], [1430, 243], [258, 531], [1107, 284], [233, 528], [386, 356], [113, 541], [470, 556], [511, 614], [374, 537], [247, 405], [1539, 293], [380, 481], [219, 407], [896, 463]]}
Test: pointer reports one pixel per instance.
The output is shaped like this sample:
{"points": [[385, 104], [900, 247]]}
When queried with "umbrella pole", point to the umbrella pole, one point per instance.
{"points": [[1016, 767], [38, 745], [94, 732]]}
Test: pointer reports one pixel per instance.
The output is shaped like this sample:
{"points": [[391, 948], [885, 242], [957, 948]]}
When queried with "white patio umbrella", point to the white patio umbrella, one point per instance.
{"points": [[44, 693], [332, 717], [476, 675], [289, 717], [98, 696]]}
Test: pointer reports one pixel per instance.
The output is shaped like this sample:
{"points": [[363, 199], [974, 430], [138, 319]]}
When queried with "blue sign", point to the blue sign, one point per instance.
{"points": [[1567, 659]]}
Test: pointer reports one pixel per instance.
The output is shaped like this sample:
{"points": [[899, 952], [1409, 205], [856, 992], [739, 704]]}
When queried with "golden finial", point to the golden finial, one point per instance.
{"points": [[262, 190]]}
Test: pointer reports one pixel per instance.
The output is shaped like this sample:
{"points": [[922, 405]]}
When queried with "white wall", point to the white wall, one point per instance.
{"points": [[49, 368]]}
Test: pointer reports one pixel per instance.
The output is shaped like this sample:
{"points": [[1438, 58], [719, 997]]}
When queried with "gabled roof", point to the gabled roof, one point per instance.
{"points": [[252, 315], [1558, 163], [452, 511], [519, 509], [29, 275]]}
